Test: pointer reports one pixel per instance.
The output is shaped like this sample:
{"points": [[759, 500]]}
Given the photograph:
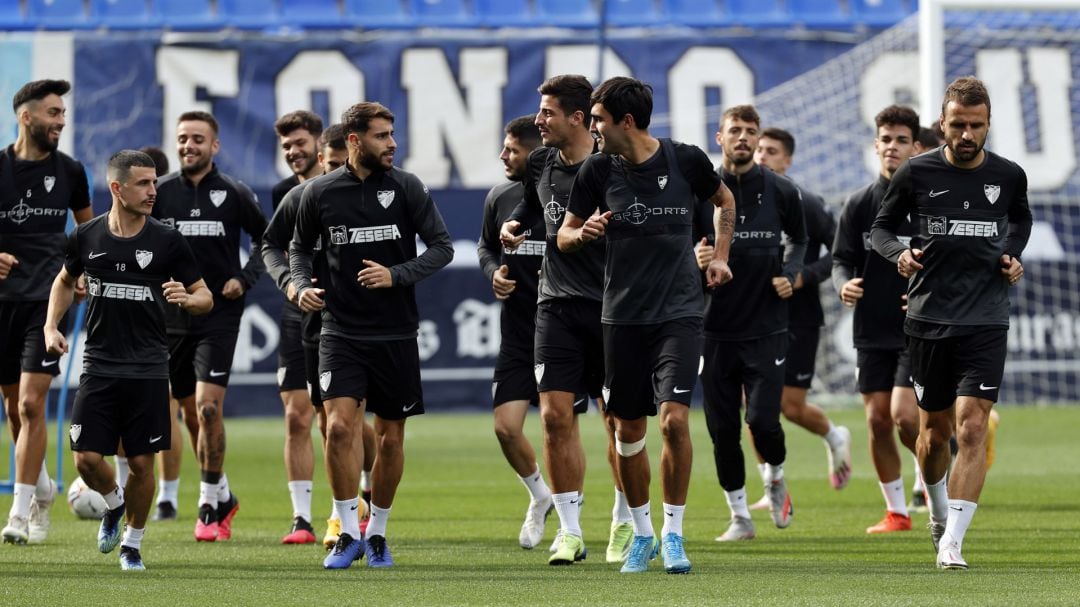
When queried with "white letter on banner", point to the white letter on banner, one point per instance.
{"points": [[441, 123], [1051, 78], [477, 329], [882, 84], [583, 59], [698, 69], [179, 72], [311, 71], [247, 353]]}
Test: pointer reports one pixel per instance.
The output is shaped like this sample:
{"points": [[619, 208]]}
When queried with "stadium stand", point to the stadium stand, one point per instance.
{"points": [[633, 13], [695, 13], [880, 13], [504, 13], [249, 14], [374, 14], [757, 13], [187, 14], [124, 14], [818, 14], [312, 13], [442, 13], [59, 14], [567, 13], [12, 17]]}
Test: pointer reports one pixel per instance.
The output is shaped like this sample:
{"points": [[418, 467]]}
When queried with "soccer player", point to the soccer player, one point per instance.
{"points": [[210, 209], [775, 150], [746, 321], [971, 216], [640, 192], [135, 268], [367, 215], [569, 350], [514, 277], [869, 283], [38, 184], [298, 133]]}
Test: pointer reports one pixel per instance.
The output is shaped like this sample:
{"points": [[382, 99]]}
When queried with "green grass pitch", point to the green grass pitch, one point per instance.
{"points": [[454, 526]]}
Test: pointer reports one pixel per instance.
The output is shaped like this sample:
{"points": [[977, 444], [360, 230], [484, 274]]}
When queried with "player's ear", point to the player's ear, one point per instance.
{"points": [[114, 187]]}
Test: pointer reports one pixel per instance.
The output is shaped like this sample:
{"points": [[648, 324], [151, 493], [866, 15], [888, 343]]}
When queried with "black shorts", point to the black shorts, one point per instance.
{"points": [[112, 410], [882, 370], [965, 365], [291, 374], [386, 373], [754, 367], [203, 357], [650, 364], [22, 340], [569, 351], [311, 374], [801, 355]]}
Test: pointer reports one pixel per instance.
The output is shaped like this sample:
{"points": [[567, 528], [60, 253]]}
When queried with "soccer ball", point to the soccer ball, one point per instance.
{"points": [[84, 502]]}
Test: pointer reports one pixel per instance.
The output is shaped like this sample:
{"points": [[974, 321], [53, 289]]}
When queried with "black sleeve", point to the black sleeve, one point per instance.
{"points": [[820, 229], [254, 223], [80, 193], [72, 259], [1019, 218], [847, 245], [489, 248], [305, 234], [530, 210], [431, 229], [275, 241], [185, 269], [794, 224], [587, 193], [698, 171], [899, 202]]}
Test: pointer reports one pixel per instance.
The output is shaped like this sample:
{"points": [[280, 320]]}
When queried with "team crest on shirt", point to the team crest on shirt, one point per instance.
{"points": [[75, 432], [662, 181], [93, 286], [50, 181], [386, 198], [324, 380], [143, 257], [218, 196], [338, 235], [992, 192]]}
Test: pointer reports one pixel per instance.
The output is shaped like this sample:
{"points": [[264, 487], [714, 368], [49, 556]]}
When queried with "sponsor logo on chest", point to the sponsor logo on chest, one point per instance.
{"points": [[200, 228], [115, 290], [941, 226], [341, 235]]}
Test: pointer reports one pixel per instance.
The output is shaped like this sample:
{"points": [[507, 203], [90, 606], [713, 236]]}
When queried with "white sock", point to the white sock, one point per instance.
{"points": [[937, 498], [620, 513], [534, 483], [960, 514], [918, 486], [122, 471], [365, 480], [736, 501], [642, 521], [223, 491], [763, 470], [333, 513], [774, 473], [377, 524], [168, 490], [894, 496], [114, 499], [346, 511], [569, 509], [44, 487], [300, 494], [24, 494], [208, 493], [673, 516], [833, 436], [133, 537]]}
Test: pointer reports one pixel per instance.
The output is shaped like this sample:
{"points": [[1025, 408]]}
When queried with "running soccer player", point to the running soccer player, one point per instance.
{"points": [[514, 277], [298, 133], [135, 268], [569, 342], [367, 215], [210, 209], [746, 321], [775, 150], [38, 184], [641, 193], [971, 215], [869, 283]]}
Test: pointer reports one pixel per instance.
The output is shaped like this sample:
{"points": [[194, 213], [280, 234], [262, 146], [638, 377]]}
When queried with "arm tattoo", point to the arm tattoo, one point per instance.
{"points": [[727, 222]]}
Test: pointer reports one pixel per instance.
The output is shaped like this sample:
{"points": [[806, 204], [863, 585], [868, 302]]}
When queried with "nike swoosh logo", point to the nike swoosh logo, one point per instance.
{"points": [[155, 439], [986, 387], [669, 513], [934, 194], [96, 255], [578, 402], [681, 390], [779, 361], [409, 407], [45, 363], [354, 507], [803, 376], [218, 373], [573, 501], [956, 509]]}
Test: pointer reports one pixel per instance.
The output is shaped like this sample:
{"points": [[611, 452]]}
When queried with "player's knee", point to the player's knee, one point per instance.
{"points": [[506, 433], [391, 440], [208, 411], [297, 422], [971, 432], [674, 427], [629, 449], [556, 419], [880, 424], [339, 431], [31, 408]]}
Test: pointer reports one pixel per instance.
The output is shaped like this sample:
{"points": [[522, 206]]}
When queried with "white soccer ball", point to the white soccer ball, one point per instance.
{"points": [[84, 502]]}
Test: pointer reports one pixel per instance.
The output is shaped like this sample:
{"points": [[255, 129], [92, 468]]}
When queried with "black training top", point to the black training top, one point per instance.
{"points": [[34, 200], [376, 219], [275, 246], [125, 318], [804, 307], [281, 188], [966, 219]]}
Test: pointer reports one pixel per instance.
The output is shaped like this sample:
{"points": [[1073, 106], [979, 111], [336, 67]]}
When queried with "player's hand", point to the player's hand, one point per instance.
{"points": [[375, 276], [175, 293], [7, 261], [594, 227], [851, 292], [717, 273], [704, 253], [799, 283], [502, 285], [903, 302], [55, 342], [290, 292], [908, 263], [1012, 269], [233, 289], [783, 286], [508, 235], [311, 299], [80, 288]]}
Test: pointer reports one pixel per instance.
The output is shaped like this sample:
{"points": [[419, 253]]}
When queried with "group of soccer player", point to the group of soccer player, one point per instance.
{"points": [[627, 265]]}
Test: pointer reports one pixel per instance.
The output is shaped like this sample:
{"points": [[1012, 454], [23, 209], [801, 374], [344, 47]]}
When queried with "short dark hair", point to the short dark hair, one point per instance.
{"points": [[201, 116], [622, 95], [927, 139], [524, 129], [785, 138], [357, 118], [121, 163], [161, 161], [299, 119], [745, 112], [967, 91], [572, 91], [38, 90], [333, 137], [898, 115]]}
